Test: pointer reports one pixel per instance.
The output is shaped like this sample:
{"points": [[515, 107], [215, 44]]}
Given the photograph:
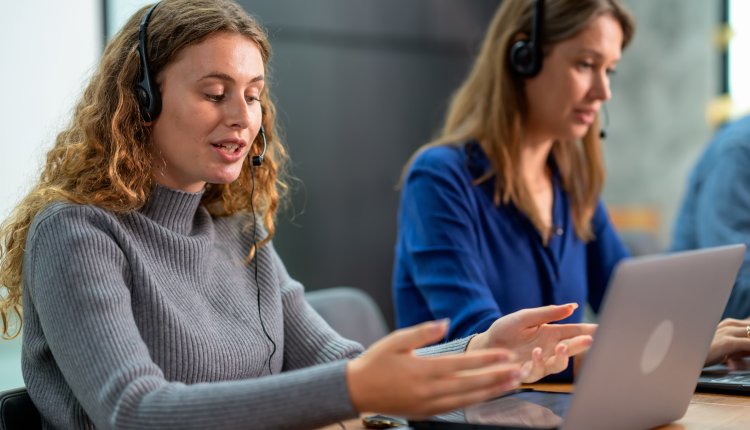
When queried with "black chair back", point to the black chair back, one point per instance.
{"points": [[17, 411]]}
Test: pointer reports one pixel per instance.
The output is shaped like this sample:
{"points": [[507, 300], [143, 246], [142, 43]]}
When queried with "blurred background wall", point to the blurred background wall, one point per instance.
{"points": [[360, 84], [48, 49]]}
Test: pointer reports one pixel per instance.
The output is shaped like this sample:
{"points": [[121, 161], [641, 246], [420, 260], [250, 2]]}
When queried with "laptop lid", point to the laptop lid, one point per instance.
{"points": [[655, 329]]}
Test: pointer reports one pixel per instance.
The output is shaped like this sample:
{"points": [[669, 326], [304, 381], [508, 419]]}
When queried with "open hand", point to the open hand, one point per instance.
{"points": [[543, 348], [389, 378]]}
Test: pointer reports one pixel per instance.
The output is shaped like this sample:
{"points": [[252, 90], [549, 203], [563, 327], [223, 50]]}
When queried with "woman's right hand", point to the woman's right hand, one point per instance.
{"points": [[390, 378], [731, 343]]}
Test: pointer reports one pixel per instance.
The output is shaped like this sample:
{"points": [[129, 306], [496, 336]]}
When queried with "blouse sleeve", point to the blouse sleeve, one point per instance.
{"points": [[441, 246], [602, 255]]}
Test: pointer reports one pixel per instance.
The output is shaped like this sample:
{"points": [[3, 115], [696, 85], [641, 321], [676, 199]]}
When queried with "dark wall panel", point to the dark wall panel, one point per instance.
{"points": [[359, 86]]}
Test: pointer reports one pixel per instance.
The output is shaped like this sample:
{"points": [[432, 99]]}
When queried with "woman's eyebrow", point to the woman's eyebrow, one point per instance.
{"points": [[226, 77]]}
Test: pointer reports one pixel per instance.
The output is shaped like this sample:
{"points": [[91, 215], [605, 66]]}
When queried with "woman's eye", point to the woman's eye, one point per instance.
{"points": [[215, 97], [251, 99], [586, 65]]}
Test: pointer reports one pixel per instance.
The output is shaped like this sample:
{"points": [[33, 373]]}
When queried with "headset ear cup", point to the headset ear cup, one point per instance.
{"points": [[143, 102], [524, 59], [149, 99]]}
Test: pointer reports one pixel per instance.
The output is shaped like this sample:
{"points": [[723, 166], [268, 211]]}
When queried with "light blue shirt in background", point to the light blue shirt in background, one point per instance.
{"points": [[716, 206]]}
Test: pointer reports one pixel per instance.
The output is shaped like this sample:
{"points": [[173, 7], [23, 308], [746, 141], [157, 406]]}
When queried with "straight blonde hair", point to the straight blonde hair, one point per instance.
{"points": [[490, 107]]}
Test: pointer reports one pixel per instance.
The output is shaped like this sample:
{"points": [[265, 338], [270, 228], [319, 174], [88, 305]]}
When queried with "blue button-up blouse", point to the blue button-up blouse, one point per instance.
{"points": [[460, 256]]}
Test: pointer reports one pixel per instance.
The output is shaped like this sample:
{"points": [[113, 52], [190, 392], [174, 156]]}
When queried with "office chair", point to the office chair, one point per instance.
{"points": [[17, 411], [351, 312]]}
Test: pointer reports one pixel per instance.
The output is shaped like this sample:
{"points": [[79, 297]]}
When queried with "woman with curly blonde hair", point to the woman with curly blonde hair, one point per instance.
{"points": [[150, 292]]}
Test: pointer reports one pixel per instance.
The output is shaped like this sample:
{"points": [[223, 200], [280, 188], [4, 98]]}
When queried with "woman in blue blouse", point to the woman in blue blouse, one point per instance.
{"points": [[502, 211]]}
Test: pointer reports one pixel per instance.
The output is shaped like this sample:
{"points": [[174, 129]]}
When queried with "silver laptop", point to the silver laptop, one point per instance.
{"points": [[655, 329]]}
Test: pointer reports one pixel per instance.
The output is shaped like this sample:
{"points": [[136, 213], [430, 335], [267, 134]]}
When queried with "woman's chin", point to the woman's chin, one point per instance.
{"points": [[578, 132], [224, 177]]}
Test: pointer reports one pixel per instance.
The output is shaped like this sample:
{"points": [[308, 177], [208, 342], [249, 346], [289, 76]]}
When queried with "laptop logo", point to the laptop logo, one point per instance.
{"points": [[657, 346]]}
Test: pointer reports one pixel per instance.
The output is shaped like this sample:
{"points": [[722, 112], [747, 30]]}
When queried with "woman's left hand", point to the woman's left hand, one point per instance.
{"points": [[543, 348], [731, 343]]}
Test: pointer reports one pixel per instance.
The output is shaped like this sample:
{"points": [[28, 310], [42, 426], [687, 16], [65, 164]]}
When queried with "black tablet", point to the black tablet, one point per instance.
{"points": [[521, 409]]}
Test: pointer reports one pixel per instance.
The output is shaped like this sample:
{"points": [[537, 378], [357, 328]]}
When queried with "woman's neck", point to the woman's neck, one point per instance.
{"points": [[534, 155]]}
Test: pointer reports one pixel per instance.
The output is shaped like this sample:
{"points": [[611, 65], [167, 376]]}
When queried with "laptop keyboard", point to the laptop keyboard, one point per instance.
{"points": [[739, 378]]}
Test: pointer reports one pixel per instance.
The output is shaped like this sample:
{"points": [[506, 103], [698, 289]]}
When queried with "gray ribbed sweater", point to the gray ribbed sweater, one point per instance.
{"points": [[149, 320]]}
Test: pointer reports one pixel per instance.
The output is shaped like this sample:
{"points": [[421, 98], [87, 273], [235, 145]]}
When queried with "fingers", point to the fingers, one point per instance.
{"points": [[503, 376], [737, 331], [410, 338], [731, 339], [567, 331], [450, 403], [558, 362], [537, 367], [541, 365], [737, 347], [732, 322], [543, 315], [449, 364], [737, 363], [482, 388], [578, 344]]}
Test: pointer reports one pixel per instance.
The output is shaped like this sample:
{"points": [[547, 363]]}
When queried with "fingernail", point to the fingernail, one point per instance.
{"points": [[514, 380], [443, 321], [440, 324], [573, 305], [524, 373]]}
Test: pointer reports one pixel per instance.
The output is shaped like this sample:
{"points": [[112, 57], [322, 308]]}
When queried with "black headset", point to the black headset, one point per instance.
{"points": [[149, 99], [525, 56]]}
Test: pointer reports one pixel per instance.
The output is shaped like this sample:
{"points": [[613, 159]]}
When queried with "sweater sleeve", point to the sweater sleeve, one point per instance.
{"points": [[308, 339], [76, 277], [436, 228]]}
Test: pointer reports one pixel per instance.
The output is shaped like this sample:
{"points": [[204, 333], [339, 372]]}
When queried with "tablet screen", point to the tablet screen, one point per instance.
{"points": [[523, 409]]}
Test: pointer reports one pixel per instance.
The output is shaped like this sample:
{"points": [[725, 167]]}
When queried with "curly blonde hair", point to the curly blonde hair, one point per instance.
{"points": [[103, 158]]}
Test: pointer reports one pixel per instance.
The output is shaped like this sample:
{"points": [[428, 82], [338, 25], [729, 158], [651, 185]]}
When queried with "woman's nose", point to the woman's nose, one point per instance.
{"points": [[238, 113], [600, 87]]}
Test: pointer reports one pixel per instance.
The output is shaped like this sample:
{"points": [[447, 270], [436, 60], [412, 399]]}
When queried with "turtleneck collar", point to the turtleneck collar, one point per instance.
{"points": [[173, 209]]}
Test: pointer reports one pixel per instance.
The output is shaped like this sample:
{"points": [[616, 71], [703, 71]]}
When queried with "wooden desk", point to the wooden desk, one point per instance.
{"points": [[706, 411]]}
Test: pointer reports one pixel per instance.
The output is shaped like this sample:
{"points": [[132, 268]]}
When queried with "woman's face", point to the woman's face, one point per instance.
{"points": [[210, 112], [565, 97]]}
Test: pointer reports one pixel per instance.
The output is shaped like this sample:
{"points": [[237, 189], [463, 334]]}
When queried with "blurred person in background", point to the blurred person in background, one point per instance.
{"points": [[715, 209]]}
